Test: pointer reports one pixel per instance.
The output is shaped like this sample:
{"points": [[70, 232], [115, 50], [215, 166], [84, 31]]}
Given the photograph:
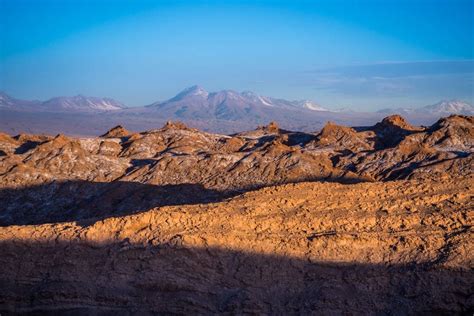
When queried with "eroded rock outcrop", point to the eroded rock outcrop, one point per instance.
{"points": [[117, 132], [369, 248], [176, 220], [224, 165]]}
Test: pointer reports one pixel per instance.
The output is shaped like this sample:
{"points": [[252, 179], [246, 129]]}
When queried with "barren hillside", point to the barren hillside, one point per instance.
{"points": [[175, 220]]}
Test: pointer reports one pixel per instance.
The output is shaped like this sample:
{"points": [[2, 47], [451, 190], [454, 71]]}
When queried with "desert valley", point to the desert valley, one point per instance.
{"points": [[206, 157], [177, 221]]}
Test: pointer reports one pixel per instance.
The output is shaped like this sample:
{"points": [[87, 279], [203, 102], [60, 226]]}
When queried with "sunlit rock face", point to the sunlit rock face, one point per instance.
{"points": [[362, 220]]}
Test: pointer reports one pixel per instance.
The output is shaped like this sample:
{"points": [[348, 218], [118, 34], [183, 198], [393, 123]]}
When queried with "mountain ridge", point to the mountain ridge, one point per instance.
{"points": [[249, 98], [227, 104], [443, 107], [77, 103], [225, 111]]}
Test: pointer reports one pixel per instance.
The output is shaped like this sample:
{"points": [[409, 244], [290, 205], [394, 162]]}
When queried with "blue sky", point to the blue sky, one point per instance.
{"points": [[362, 55]]}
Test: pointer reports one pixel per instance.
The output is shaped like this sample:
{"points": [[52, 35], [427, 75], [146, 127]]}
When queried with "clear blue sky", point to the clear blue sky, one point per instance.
{"points": [[357, 54]]}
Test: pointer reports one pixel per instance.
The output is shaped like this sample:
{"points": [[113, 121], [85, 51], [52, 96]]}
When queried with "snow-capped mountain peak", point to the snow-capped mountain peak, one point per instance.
{"points": [[249, 95], [228, 103], [450, 107], [5, 99], [442, 108], [81, 103], [310, 105], [192, 91]]}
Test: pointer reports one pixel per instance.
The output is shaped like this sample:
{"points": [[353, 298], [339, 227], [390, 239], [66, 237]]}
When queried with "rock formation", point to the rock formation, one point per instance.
{"points": [[365, 220]]}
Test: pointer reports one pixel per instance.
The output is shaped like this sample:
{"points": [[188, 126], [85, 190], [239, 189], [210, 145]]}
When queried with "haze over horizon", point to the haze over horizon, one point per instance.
{"points": [[363, 55]]}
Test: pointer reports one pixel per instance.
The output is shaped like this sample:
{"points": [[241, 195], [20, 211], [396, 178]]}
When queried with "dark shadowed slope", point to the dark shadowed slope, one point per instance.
{"points": [[401, 247], [174, 279]]}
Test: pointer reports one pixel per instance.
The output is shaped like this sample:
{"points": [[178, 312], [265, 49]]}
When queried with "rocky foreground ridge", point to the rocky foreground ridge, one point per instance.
{"points": [[344, 220]]}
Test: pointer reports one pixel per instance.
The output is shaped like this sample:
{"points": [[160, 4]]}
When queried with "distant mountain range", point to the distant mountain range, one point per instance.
{"points": [[442, 108], [191, 101], [195, 102], [77, 103], [224, 111]]}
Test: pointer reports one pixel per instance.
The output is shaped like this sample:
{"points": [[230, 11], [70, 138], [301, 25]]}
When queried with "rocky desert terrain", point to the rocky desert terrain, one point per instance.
{"points": [[367, 220]]}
